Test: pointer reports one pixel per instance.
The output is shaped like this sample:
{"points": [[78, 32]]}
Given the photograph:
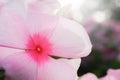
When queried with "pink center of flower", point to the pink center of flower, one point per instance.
{"points": [[39, 48]]}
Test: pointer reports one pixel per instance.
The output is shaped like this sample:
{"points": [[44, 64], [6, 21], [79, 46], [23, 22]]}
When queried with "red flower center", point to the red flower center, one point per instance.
{"points": [[39, 48]]}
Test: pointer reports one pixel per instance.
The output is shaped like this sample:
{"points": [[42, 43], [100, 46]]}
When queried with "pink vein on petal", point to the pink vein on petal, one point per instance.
{"points": [[12, 47]]}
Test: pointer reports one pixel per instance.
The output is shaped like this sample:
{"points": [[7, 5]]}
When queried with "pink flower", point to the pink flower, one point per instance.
{"points": [[112, 74], [88, 76], [30, 45]]}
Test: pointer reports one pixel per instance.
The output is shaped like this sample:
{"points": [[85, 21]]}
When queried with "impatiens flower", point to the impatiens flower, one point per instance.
{"points": [[88, 76], [31, 46]]}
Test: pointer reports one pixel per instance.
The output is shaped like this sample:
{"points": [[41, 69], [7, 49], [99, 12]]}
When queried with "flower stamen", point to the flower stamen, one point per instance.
{"points": [[38, 49]]}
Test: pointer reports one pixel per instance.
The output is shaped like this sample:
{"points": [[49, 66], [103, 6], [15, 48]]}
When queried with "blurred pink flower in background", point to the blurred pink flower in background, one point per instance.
{"points": [[112, 74], [106, 38], [88, 76], [38, 46]]}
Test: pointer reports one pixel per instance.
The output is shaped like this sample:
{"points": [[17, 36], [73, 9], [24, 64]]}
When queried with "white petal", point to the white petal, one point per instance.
{"points": [[70, 40]]}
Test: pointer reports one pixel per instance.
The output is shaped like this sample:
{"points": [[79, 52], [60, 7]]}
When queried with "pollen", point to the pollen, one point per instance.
{"points": [[38, 49]]}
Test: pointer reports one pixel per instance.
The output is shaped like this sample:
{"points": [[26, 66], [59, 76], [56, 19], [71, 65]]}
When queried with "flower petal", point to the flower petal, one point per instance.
{"points": [[108, 78], [41, 23], [112, 74], [15, 5], [88, 76], [43, 6], [13, 31], [73, 62], [56, 70], [6, 52], [4, 1], [70, 40], [19, 67]]}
